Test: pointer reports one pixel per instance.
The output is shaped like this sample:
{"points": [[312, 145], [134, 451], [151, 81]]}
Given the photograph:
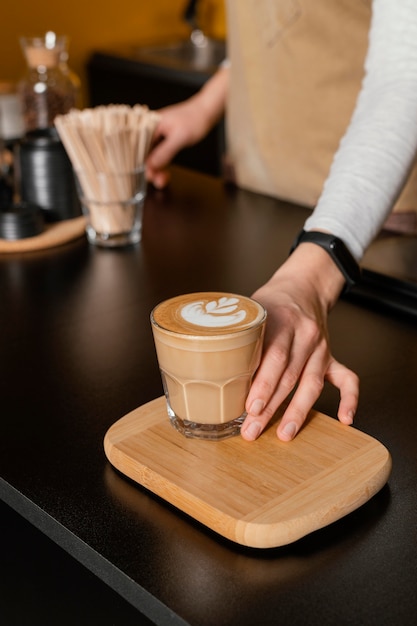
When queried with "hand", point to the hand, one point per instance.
{"points": [[180, 125], [296, 347], [185, 124]]}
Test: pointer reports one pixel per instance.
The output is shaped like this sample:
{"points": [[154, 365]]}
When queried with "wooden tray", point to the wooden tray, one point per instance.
{"points": [[55, 234], [261, 494]]}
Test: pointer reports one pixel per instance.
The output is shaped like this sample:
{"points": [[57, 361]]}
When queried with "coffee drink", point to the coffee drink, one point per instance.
{"points": [[208, 346]]}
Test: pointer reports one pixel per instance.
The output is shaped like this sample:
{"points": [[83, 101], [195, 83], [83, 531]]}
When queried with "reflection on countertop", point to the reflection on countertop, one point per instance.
{"points": [[389, 273], [394, 255]]}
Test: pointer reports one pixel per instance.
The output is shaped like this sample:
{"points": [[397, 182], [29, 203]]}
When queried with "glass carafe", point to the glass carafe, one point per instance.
{"points": [[49, 87]]}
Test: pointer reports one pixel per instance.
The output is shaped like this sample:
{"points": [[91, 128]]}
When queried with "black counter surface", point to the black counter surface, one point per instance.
{"points": [[80, 543]]}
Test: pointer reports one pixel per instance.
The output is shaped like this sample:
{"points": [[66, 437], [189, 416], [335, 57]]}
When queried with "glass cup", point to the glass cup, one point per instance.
{"points": [[113, 203], [48, 87], [208, 346]]}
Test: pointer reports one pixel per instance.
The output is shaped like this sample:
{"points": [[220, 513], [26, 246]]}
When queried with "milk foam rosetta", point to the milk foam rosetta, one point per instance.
{"points": [[216, 313], [208, 313]]}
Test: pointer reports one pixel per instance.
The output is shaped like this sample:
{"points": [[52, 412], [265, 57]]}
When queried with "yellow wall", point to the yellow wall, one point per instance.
{"points": [[96, 24]]}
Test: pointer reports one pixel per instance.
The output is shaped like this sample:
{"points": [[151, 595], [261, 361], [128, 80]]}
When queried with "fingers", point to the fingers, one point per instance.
{"points": [[348, 383], [309, 389], [180, 125], [164, 151], [159, 178], [162, 154], [282, 365], [320, 366], [169, 139]]}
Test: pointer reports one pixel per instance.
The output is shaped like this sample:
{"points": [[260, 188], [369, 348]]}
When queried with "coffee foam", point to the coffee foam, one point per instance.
{"points": [[208, 313]]}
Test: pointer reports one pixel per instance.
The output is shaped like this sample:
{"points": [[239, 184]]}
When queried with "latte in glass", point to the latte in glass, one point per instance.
{"points": [[208, 346]]}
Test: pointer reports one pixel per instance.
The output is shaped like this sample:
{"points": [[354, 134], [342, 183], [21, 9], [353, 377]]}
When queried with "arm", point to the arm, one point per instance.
{"points": [[366, 177], [185, 124], [378, 149]]}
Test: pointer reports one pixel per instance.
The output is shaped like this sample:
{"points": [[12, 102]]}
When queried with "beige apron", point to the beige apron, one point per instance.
{"points": [[297, 71]]}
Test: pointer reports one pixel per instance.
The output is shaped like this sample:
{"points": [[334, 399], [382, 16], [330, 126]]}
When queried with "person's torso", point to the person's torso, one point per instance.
{"points": [[297, 68]]}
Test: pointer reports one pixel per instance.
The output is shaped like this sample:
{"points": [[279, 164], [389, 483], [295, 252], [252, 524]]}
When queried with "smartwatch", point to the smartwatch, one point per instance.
{"points": [[338, 251]]}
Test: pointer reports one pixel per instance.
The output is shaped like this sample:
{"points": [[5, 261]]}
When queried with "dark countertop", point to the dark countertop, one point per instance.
{"points": [[77, 354]]}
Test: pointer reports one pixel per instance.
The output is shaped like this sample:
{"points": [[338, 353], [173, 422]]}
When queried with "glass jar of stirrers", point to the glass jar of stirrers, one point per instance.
{"points": [[108, 147]]}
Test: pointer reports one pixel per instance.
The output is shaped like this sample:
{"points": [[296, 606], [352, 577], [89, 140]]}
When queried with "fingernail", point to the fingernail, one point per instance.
{"points": [[351, 415], [257, 407], [290, 430], [252, 431]]}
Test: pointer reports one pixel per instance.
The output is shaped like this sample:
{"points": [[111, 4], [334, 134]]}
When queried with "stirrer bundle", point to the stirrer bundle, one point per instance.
{"points": [[114, 138], [107, 146]]}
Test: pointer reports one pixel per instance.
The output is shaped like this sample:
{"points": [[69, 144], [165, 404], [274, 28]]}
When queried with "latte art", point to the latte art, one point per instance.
{"points": [[216, 313], [208, 313]]}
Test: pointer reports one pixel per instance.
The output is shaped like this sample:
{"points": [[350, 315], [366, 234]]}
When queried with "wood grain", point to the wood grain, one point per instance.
{"points": [[261, 494]]}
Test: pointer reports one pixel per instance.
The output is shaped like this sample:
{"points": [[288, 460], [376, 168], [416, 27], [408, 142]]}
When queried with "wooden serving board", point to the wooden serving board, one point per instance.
{"points": [[260, 494], [54, 235]]}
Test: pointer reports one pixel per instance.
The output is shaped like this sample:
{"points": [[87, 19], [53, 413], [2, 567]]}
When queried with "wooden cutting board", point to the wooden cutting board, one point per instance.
{"points": [[261, 494]]}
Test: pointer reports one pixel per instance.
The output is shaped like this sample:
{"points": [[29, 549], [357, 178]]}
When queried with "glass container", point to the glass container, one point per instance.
{"points": [[49, 87]]}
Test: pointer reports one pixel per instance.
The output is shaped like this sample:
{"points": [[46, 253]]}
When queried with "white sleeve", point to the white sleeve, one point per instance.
{"points": [[375, 155]]}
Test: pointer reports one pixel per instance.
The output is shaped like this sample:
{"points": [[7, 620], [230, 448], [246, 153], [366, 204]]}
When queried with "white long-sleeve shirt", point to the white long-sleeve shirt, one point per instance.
{"points": [[322, 108], [380, 144]]}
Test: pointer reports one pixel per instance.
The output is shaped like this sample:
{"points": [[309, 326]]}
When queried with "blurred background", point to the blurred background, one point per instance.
{"points": [[99, 24]]}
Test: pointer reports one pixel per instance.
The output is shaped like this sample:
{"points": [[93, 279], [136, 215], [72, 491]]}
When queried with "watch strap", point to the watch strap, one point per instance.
{"points": [[337, 250]]}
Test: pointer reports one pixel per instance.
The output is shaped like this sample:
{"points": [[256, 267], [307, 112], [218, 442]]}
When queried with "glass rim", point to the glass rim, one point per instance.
{"points": [[211, 333]]}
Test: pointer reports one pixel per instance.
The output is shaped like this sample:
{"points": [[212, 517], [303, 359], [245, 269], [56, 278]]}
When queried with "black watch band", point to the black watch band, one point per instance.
{"points": [[336, 249]]}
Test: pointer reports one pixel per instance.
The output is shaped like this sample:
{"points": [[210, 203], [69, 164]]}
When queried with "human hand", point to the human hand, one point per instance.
{"points": [[180, 125], [296, 351], [185, 124]]}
